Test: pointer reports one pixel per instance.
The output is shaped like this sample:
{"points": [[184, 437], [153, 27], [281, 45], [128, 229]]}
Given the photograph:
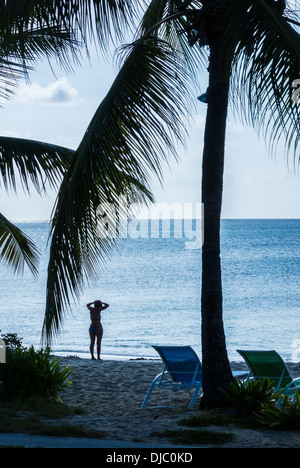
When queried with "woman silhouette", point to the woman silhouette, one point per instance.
{"points": [[96, 329]]}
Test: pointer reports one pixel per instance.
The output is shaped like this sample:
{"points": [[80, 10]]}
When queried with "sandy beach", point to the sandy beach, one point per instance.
{"points": [[113, 391]]}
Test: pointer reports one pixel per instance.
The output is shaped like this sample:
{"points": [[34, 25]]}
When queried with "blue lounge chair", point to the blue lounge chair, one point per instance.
{"points": [[270, 364], [182, 370]]}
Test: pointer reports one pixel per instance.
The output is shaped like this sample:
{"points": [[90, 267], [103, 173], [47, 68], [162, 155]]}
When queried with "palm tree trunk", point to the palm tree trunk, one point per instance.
{"points": [[216, 368]]}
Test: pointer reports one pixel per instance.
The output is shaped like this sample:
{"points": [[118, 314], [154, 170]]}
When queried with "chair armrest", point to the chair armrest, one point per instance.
{"points": [[293, 385]]}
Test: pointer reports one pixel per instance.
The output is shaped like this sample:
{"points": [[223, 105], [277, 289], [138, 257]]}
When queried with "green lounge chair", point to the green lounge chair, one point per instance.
{"points": [[270, 364], [182, 370]]}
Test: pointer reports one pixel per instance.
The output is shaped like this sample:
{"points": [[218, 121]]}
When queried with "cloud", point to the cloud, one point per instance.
{"points": [[58, 92]]}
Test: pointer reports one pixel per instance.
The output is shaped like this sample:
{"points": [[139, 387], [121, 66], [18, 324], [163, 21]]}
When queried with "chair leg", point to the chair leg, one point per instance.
{"points": [[147, 397], [150, 391], [194, 397], [279, 403]]}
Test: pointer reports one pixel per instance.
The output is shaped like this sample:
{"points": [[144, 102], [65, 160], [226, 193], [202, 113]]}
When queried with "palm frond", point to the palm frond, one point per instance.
{"points": [[83, 19], [136, 125], [32, 31], [110, 19], [16, 249], [34, 45], [267, 49], [32, 161], [11, 72], [29, 32], [166, 20]]}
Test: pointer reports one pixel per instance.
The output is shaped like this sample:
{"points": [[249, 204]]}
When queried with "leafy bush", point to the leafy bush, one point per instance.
{"points": [[250, 397], [28, 372], [287, 416], [12, 341]]}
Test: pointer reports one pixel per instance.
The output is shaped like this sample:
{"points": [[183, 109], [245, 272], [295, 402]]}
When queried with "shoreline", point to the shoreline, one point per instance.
{"points": [[105, 357], [112, 392], [293, 365]]}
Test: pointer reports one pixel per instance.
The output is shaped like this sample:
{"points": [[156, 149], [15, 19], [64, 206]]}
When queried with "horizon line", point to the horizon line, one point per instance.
{"points": [[46, 220]]}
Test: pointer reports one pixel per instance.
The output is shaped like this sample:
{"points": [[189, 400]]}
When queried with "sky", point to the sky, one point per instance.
{"points": [[57, 108]]}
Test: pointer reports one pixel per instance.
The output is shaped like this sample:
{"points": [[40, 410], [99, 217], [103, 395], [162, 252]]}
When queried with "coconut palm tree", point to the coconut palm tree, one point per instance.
{"points": [[253, 56], [262, 53]]}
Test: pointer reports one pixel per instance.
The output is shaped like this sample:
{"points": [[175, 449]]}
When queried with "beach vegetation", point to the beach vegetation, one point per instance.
{"points": [[250, 397], [29, 372], [256, 413], [41, 417], [286, 416], [223, 417], [12, 341]]}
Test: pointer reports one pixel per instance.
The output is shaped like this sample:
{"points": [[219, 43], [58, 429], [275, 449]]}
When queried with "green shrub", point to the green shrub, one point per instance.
{"points": [[12, 341], [249, 397], [28, 372], [287, 416]]}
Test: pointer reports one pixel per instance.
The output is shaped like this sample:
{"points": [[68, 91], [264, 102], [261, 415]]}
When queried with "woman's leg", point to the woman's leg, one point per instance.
{"points": [[99, 340], [92, 336]]}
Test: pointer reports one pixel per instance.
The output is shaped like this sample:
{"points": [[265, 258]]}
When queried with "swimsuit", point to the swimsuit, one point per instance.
{"points": [[94, 329]]}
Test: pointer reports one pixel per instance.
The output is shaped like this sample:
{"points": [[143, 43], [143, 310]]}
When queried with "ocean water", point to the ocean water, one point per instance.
{"points": [[153, 283]]}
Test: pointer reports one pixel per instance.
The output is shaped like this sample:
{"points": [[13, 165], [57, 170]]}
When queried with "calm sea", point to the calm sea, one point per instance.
{"points": [[153, 287]]}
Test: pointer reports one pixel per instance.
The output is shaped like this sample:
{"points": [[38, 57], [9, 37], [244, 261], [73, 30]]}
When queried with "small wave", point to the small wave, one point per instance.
{"points": [[30, 221]]}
